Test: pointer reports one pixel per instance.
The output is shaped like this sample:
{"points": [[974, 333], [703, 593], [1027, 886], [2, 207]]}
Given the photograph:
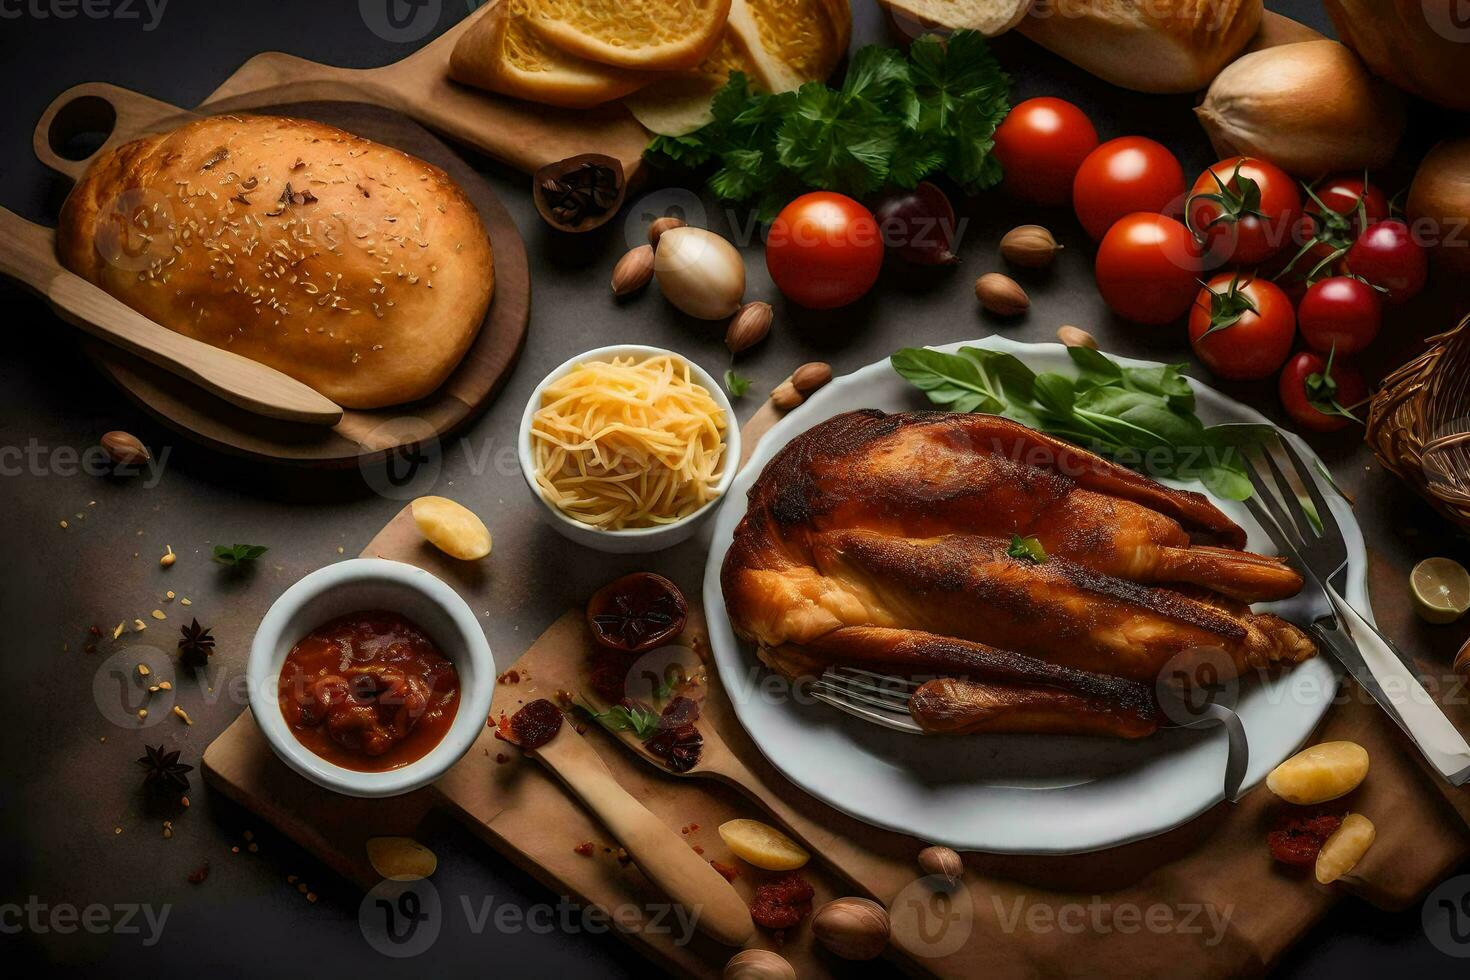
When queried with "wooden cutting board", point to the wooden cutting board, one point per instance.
{"points": [[362, 437], [525, 135], [1009, 918]]}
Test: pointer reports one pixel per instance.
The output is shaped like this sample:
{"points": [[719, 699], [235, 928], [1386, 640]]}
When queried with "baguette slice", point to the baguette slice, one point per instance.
{"points": [[648, 35], [778, 44], [989, 17], [1160, 46], [504, 53]]}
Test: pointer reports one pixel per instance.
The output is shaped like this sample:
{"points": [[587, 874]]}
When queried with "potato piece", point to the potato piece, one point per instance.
{"points": [[1320, 773], [401, 858], [763, 845], [1345, 848], [451, 527]]}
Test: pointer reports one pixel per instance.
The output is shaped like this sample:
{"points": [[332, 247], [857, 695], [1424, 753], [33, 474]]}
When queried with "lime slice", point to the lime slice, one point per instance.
{"points": [[1441, 588]]}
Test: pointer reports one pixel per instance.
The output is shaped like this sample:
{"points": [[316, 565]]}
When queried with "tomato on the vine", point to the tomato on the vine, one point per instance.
{"points": [[1040, 145], [1387, 256], [1319, 393], [1146, 268], [1125, 175], [1338, 209], [1242, 329], [1243, 210], [1341, 313], [824, 250]]}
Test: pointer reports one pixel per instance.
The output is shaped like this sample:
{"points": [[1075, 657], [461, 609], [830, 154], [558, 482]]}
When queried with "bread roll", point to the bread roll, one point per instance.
{"points": [[989, 17], [1146, 45], [1422, 46], [350, 266]]}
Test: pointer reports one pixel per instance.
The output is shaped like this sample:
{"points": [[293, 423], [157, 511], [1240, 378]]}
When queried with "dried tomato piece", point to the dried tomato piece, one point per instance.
{"points": [[783, 903], [729, 872], [680, 748], [584, 849], [679, 712], [1298, 839], [607, 675], [637, 612], [536, 724]]}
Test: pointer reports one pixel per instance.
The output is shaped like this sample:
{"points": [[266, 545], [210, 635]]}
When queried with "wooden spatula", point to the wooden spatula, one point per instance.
{"points": [[660, 853], [28, 255]]}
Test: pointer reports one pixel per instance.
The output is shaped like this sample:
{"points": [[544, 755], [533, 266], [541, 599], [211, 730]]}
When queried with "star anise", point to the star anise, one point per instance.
{"points": [[164, 771], [197, 645]]}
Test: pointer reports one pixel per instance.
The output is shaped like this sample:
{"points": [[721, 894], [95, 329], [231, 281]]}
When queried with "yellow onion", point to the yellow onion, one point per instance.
{"points": [[1439, 204], [1422, 46], [1309, 108]]}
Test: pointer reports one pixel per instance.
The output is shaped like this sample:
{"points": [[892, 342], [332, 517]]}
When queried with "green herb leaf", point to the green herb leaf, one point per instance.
{"points": [[894, 120], [1027, 549], [639, 720], [1141, 417], [238, 554], [736, 384]]}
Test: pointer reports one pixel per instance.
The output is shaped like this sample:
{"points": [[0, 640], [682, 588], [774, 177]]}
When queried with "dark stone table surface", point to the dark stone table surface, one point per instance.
{"points": [[74, 827]]}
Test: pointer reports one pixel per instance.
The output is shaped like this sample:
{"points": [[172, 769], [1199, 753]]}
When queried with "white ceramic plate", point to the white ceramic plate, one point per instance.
{"points": [[1023, 794]]}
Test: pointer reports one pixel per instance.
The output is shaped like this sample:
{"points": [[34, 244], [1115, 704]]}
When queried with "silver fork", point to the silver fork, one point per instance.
{"points": [[883, 699], [1318, 550]]}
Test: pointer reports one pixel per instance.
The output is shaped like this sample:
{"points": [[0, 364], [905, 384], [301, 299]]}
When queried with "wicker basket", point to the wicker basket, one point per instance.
{"points": [[1419, 423]]}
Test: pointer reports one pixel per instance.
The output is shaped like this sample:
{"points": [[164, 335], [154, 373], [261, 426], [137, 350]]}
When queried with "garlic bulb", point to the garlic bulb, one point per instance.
{"points": [[699, 272], [1309, 108]]}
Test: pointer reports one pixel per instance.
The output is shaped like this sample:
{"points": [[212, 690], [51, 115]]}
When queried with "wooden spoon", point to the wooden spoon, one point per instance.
{"points": [[660, 853], [28, 256]]}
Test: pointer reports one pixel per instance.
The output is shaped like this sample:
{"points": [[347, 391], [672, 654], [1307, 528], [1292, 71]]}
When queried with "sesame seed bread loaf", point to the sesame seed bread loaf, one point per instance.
{"points": [[350, 266]]}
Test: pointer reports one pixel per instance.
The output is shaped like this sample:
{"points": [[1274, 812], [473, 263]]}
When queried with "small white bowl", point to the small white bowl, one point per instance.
{"points": [[637, 540], [365, 584]]}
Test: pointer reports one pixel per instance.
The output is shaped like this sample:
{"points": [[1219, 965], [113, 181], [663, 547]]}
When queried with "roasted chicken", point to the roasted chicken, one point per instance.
{"points": [[884, 541]]}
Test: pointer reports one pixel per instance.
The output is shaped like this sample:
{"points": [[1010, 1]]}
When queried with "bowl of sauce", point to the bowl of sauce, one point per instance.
{"points": [[370, 677]]}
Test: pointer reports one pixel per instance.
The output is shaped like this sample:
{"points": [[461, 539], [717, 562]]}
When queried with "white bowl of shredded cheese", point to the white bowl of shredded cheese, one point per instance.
{"points": [[628, 448]]}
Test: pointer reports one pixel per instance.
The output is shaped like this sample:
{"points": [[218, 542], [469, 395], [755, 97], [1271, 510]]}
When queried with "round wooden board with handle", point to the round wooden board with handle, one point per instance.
{"points": [[362, 437]]}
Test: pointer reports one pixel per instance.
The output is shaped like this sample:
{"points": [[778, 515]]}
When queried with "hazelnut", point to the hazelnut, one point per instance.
{"points": [[809, 377], [749, 326], [785, 397], [633, 271], [1001, 295], [1076, 336], [758, 964], [942, 861], [852, 928], [1029, 246], [125, 449], [657, 228]]}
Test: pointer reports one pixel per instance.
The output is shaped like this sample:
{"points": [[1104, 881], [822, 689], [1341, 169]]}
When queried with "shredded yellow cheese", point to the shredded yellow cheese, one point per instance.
{"points": [[629, 443]]}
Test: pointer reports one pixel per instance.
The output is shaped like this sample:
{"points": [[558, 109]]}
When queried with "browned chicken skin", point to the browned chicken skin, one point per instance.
{"points": [[882, 541]]}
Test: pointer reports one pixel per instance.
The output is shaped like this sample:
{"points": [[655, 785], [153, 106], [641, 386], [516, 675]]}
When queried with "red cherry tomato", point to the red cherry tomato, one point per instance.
{"points": [[1243, 210], [1387, 256], [1040, 145], [1319, 393], [1242, 329], [1125, 175], [1146, 268], [1338, 209], [824, 250], [1340, 313]]}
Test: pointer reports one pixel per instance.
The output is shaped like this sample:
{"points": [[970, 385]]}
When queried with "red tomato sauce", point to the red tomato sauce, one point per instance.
{"points": [[368, 691]]}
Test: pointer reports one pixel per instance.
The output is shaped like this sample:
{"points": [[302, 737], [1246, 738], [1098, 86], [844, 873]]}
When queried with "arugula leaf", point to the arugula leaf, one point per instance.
{"points": [[641, 721], [1141, 417], [237, 555], [1027, 549], [894, 120]]}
